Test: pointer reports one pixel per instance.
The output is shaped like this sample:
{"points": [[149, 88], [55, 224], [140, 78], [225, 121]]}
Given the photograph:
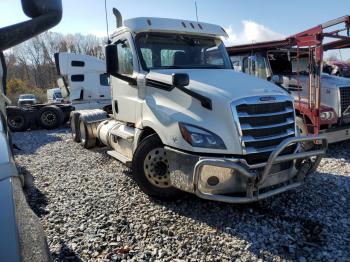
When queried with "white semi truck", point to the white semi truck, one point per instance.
{"points": [[83, 84], [83, 81], [185, 121]]}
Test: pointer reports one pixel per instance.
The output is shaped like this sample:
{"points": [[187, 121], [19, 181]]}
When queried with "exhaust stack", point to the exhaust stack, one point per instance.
{"points": [[118, 17]]}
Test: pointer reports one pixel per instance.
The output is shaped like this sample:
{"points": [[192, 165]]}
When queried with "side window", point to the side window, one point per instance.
{"points": [[78, 63], [213, 56], [125, 58], [104, 80], [77, 78]]}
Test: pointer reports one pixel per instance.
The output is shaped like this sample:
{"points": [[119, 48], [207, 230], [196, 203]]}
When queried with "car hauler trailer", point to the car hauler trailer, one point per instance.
{"points": [[322, 101], [185, 121], [21, 235], [83, 84]]}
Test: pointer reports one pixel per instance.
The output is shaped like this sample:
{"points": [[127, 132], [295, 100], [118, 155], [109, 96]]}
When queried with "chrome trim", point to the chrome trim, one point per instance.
{"points": [[286, 111], [248, 139], [252, 193], [340, 101], [255, 100], [249, 127]]}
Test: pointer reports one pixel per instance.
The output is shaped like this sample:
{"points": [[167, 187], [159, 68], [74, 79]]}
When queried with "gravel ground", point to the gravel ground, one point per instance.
{"points": [[92, 210]]}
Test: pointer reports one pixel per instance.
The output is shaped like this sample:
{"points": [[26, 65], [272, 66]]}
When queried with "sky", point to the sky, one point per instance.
{"points": [[245, 21]]}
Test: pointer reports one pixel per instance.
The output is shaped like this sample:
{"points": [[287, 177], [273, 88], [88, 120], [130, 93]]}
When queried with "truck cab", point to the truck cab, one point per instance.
{"points": [[54, 95], [83, 80], [185, 121]]}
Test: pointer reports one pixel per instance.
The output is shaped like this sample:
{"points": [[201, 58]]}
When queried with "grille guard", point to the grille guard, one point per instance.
{"points": [[258, 180]]}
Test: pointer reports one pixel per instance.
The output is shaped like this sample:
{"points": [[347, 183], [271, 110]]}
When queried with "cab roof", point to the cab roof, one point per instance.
{"points": [[167, 25]]}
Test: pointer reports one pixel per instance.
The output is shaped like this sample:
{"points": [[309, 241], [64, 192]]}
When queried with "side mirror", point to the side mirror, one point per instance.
{"points": [[277, 80], [64, 89], [112, 59], [35, 8], [181, 79]]}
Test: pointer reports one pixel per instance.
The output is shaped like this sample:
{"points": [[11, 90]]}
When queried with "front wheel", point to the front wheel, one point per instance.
{"points": [[151, 169]]}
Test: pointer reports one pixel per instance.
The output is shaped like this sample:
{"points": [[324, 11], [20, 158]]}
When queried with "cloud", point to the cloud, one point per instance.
{"points": [[252, 32]]}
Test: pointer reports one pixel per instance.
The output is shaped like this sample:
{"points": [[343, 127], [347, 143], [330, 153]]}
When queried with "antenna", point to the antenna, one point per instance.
{"points": [[195, 4], [108, 40]]}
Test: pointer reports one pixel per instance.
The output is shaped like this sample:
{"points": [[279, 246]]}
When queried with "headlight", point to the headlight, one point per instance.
{"points": [[328, 115], [199, 137]]}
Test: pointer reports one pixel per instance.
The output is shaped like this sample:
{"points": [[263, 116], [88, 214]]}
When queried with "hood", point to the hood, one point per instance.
{"points": [[220, 82], [334, 81], [339, 63], [327, 81]]}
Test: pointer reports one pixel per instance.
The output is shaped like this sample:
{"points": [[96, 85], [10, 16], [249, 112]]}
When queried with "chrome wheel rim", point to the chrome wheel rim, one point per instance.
{"points": [[156, 168], [48, 118]]}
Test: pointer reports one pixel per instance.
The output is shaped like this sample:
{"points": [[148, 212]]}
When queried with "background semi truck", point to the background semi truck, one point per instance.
{"points": [[83, 84], [21, 235], [83, 81], [54, 96], [185, 121], [322, 101]]}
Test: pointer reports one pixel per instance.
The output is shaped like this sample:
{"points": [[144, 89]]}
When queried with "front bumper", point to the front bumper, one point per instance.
{"points": [[231, 180], [335, 135]]}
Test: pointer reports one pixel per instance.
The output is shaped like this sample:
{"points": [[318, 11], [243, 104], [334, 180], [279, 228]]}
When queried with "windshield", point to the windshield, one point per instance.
{"points": [[256, 66], [58, 95], [27, 96], [300, 65], [167, 51]]}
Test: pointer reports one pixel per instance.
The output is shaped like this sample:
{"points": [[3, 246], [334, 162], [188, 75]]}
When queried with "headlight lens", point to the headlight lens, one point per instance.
{"points": [[199, 137], [328, 115]]}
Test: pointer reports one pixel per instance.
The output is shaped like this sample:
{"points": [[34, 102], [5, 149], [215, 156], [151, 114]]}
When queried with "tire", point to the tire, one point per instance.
{"points": [[50, 117], [17, 120], [85, 140], [306, 146], [304, 132], [74, 126], [150, 169]]}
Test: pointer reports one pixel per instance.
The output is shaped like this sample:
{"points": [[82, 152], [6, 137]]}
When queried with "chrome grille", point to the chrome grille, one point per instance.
{"points": [[263, 125], [345, 100]]}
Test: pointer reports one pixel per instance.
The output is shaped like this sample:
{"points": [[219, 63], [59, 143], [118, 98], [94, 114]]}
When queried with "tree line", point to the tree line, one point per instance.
{"points": [[31, 65]]}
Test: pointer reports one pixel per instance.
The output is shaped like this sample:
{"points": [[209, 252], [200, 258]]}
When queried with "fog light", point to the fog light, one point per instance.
{"points": [[213, 181]]}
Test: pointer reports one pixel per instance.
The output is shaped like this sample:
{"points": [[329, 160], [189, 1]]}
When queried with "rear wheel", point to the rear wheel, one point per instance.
{"points": [[151, 169], [50, 117], [17, 120]]}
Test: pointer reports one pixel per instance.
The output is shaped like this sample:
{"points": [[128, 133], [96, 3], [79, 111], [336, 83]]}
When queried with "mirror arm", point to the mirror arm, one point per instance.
{"points": [[131, 80], [15, 34]]}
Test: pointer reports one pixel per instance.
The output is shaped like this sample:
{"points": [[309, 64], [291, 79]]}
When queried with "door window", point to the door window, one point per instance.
{"points": [[125, 58]]}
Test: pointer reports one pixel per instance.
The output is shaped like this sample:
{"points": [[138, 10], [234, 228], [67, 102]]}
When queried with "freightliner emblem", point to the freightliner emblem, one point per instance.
{"points": [[267, 98]]}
